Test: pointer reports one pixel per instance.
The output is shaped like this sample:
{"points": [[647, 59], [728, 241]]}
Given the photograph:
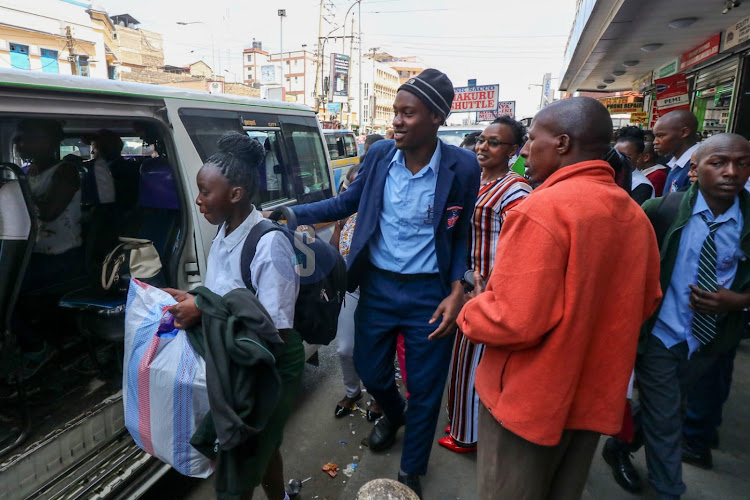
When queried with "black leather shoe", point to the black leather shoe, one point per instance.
{"points": [[372, 416], [411, 481], [704, 459], [383, 434], [622, 468], [346, 405]]}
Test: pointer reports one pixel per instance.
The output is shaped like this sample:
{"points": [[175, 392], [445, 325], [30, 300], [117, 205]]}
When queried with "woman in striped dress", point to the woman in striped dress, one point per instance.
{"points": [[501, 189]]}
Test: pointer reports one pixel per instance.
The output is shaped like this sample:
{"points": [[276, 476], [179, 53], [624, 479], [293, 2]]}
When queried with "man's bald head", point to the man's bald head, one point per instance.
{"points": [[675, 133], [585, 120], [565, 133], [722, 142], [681, 118]]}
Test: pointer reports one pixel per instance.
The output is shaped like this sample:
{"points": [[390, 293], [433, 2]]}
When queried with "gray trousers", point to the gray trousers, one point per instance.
{"points": [[511, 467], [345, 343], [664, 378]]}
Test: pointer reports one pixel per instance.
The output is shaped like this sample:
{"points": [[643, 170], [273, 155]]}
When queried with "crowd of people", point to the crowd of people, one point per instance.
{"points": [[540, 299]]}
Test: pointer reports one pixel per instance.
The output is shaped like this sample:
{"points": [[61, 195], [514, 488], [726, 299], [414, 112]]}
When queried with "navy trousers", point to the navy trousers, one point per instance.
{"points": [[389, 306], [665, 377], [705, 402]]}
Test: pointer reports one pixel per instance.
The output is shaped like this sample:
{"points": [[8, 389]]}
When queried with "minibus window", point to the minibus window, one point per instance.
{"points": [[333, 147], [75, 146], [308, 161], [205, 128], [350, 144], [274, 185]]}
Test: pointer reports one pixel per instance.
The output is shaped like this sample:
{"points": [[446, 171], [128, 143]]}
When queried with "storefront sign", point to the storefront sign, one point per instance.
{"points": [[671, 94], [622, 105], [504, 108], [667, 69], [736, 34], [479, 98], [334, 107], [639, 117], [643, 82], [703, 52], [547, 92], [339, 77]]}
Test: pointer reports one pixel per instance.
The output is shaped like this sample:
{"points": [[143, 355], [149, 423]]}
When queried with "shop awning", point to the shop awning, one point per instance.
{"points": [[608, 35]]}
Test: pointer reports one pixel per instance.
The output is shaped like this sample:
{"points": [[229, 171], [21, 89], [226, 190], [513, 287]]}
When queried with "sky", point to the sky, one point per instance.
{"points": [[507, 42]]}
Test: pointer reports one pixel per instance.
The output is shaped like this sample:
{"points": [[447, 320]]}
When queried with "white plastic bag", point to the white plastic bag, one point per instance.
{"points": [[164, 382]]}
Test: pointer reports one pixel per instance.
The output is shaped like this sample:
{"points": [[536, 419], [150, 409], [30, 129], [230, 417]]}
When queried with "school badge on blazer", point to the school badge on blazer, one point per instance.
{"points": [[453, 214]]}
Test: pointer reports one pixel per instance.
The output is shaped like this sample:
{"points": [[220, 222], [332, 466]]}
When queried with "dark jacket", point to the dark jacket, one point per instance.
{"points": [[455, 194], [731, 326], [239, 343]]}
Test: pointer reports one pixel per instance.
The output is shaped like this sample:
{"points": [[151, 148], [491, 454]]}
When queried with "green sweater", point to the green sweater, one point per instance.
{"points": [[731, 326]]}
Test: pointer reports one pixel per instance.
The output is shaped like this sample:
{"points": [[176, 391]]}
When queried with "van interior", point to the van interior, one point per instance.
{"points": [[61, 345]]}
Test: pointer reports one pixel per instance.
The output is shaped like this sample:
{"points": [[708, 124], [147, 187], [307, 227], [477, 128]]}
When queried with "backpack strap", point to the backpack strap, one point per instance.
{"points": [[248, 249], [665, 214]]}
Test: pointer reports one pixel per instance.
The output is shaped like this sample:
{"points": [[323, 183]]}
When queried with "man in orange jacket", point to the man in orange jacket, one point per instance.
{"points": [[576, 274]]}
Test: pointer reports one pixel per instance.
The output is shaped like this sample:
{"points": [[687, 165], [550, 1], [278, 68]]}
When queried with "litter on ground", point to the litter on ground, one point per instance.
{"points": [[331, 469]]}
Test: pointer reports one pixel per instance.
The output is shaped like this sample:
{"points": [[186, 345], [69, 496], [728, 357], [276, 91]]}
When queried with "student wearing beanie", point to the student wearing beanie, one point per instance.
{"points": [[414, 197]]}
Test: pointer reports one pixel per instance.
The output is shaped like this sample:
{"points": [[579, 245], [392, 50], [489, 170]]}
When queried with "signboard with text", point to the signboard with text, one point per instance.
{"points": [[479, 98], [671, 94], [736, 34], [643, 82], [667, 69], [504, 108], [701, 53], [639, 117], [339, 78], [547, 92], [622, 105]]}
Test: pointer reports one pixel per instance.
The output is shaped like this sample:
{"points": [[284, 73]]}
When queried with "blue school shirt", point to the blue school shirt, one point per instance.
{"points": [[678, 175], [405, 240], [674, 324]]}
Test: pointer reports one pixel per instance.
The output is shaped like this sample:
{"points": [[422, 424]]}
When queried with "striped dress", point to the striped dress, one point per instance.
{"points": [[494, 200]]}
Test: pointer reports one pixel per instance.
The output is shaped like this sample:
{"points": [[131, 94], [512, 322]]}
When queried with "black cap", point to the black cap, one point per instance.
{"points": [[434, 88]]}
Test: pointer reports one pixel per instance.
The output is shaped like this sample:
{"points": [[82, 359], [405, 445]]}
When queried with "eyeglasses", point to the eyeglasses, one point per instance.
{"points": [[492, 142]]}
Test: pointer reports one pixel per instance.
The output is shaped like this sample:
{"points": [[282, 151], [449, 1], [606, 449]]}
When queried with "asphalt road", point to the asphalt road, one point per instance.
{"points": [[314, 437]]}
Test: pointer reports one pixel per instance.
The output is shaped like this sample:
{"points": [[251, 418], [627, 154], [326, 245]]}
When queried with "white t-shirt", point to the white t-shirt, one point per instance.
{"points": [[105, 184], [273, 270], [64, 233], [638, 179]]}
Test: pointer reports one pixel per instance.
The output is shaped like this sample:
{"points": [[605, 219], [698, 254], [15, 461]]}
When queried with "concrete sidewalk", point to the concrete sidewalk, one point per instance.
{"points": [[314, 437]]}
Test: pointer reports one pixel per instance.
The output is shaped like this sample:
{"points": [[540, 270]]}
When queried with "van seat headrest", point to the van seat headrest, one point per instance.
{"points": [[158, 188]]}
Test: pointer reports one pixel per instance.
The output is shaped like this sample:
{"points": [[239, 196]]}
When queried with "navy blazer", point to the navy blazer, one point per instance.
{"points": [[455, 195]]}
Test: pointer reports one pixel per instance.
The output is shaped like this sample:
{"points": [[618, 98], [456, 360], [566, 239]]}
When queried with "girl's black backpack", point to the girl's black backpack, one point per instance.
{"points": [[322, 279]]}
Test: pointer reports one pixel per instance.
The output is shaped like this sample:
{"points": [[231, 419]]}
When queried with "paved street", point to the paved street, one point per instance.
{"points": [[314, 437]]}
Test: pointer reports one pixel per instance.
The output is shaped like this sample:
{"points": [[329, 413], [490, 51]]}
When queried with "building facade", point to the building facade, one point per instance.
{"points": [[301, 73], [406, 67], [380, 84], [54, 36], [699, 60]]}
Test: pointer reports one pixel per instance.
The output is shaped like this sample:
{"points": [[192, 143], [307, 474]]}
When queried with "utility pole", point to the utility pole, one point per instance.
{"points": [[374, 99], [319, 58], [282, 15], [70, 45], [374, 51], [349, 99], [359, 41]]}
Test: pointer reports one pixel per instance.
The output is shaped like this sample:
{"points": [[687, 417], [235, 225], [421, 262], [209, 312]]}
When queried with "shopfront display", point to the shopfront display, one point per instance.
{"points": [[713, 96]]}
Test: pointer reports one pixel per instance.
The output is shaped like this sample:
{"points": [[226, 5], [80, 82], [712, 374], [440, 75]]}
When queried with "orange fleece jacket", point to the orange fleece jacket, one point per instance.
{"points": [[576, 274]]}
